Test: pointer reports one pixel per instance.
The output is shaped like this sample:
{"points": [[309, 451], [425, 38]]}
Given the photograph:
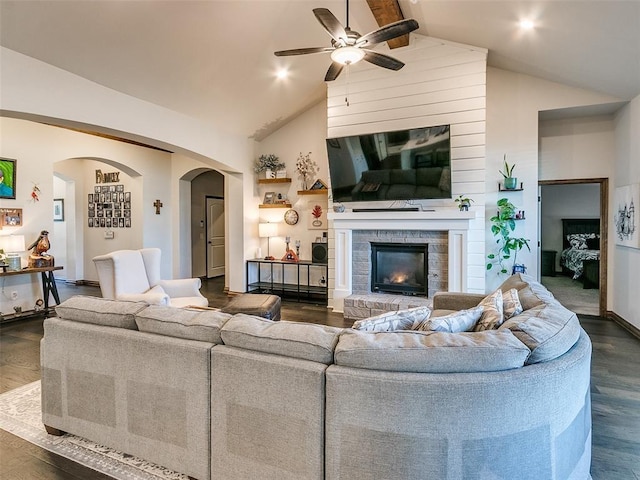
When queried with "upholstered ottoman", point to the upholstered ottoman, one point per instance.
{"points": [[262, 305]]}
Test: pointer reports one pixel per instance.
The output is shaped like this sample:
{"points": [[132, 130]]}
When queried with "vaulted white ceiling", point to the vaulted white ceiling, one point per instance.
{"points": [[214, 60]]}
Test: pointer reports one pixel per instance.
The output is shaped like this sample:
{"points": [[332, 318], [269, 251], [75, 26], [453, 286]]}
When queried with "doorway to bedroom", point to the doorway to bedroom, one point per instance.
{"points": [[573, 242]]}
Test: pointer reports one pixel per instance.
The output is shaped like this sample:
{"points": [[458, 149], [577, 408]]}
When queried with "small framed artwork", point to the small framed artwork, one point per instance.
{"points": [[318, 218], [90, 219], [627, 215], [10, 217], [58, 209], [7, 178], [318, 185], [269, 198]]}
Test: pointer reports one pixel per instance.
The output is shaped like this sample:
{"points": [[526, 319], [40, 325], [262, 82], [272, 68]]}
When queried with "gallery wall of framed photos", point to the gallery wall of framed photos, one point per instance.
{"points": [[109, 206]]}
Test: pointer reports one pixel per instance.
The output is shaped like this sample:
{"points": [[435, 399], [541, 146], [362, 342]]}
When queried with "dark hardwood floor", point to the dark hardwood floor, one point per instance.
{"points": [[615, 383]]}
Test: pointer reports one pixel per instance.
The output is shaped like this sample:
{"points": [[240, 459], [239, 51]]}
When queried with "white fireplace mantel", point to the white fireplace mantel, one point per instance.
{"points": [[455, 222]]}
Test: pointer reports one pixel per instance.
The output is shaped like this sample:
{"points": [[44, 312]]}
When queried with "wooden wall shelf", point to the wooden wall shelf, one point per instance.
{"points": [[320, 191], [275, 205], [274, 180]]}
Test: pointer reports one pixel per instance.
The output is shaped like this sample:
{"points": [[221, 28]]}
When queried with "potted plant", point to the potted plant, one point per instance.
{"points": [[510, 182], [503, 224], [463, 203], [269, 164]]}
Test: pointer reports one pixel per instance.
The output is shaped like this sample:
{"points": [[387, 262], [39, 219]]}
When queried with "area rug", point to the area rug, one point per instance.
{"points": [[20, 415]]}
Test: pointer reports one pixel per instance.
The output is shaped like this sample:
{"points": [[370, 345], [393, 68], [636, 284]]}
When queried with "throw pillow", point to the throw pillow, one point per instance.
{"points": [[492, 314], [461, 321], [391, 321], [511, 305], [445, 179], [579, 240]]}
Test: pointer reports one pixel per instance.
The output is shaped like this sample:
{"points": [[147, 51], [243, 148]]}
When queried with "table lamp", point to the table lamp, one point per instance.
{"points": [[268, 230], [12, 246]]}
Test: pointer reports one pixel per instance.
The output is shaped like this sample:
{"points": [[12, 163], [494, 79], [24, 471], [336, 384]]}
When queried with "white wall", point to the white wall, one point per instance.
{"points": [[442, 83], [513, 105], [305, 134], [626, 261], [26, 86], [40, 150]]}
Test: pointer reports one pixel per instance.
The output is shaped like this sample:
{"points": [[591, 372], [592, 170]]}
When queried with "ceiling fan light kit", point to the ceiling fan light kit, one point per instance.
{"points": [[349, 47], [347, 55]]}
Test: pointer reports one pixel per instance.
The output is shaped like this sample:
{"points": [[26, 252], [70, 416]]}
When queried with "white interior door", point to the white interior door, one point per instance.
{"points": [[215, 237]]}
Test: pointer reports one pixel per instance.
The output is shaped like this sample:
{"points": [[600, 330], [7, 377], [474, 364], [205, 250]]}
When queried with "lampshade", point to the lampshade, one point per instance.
{"points": [[12, 243], [347, 55], [267, 230]]}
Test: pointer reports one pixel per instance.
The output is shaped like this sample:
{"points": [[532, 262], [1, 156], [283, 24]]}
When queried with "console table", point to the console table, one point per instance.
{"points": [[302, 280], [48, 286]]}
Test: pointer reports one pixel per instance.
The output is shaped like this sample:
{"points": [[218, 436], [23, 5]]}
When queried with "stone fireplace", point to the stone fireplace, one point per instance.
{"points": [[443, 235]]}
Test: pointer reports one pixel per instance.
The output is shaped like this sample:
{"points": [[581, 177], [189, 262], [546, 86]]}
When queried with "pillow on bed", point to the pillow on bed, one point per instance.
{"points": [[579, 240], [593, 243]]}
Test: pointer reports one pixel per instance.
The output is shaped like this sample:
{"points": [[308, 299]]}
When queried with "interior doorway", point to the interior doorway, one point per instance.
{"points": [[215, 237], [576, 276]]}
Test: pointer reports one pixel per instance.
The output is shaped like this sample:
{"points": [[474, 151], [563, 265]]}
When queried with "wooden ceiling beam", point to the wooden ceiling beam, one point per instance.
{"points": [[386, 12]]}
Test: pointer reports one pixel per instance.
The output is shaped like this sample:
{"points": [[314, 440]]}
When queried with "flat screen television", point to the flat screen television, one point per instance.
{"points": [[410, 164]]}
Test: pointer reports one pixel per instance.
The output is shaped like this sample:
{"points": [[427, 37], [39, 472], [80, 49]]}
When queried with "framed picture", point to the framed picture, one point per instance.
{"points": [[7, 178], [10, 217], [269, 198], [58, 209], [319, 185], [318, 220], [626, 216]]}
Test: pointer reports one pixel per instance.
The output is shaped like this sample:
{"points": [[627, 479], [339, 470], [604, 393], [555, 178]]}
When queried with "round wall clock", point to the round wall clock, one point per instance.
{"points": [[291, 217]]}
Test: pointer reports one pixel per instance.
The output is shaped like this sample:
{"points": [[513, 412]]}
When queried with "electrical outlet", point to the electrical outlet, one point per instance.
{"points": [[14, 295]]}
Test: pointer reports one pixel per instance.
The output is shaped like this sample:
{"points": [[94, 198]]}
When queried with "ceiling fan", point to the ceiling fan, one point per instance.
{"points": [[348, 46]]}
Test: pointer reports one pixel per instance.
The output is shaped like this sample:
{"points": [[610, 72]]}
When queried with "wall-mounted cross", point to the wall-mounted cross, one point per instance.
{"points": [[157, 204]]}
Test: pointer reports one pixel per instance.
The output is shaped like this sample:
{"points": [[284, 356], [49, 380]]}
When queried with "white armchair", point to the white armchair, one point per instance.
{"points": [[135, 275]]}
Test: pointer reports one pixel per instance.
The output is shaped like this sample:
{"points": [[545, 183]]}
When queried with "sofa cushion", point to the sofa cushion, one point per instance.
{"points": [[530, 292], [290, 339], [548, 330], [100, 311], [511, 304], [460, 321], [182, 323], [404, 177], [492, 312], [405, 319], [431, 352]]}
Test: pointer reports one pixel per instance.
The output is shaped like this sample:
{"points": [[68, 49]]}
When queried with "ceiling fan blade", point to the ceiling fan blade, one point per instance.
{"points": [[333, 72], [388, 32], [330, 23], [382, 60], [303, 51]]}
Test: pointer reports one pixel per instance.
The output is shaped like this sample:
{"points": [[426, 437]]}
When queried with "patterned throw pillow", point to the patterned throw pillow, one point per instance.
{"points": [[511, 305], [392, 321], [492, 315], [579, 240], [461, 321]]}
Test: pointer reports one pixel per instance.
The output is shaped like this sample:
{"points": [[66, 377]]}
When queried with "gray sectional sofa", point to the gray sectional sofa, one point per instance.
{"points": [[219, 396]]}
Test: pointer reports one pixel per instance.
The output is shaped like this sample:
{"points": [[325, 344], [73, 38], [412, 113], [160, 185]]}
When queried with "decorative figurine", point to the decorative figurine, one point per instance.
{"points": [[40, 258], [289, 255]]}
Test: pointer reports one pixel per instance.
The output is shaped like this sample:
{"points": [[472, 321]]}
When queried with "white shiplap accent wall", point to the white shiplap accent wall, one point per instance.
{"points": [[441, 83]]}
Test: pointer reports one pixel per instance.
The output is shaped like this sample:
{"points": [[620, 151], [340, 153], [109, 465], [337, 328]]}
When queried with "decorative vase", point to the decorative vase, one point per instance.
{"points": [[510, 183]]}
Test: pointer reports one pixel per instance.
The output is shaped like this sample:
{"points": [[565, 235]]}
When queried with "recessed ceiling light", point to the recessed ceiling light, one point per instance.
{"points": [[526, 24], [282, 73]]}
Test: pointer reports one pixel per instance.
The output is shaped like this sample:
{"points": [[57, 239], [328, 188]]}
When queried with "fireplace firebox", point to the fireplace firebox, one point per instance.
{"points": [[399, 268]]}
